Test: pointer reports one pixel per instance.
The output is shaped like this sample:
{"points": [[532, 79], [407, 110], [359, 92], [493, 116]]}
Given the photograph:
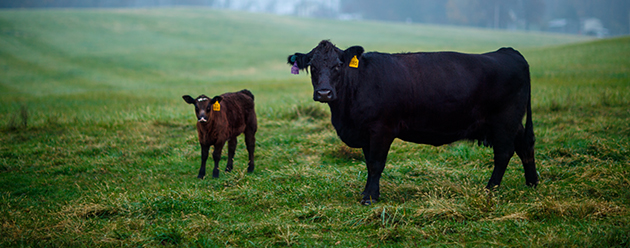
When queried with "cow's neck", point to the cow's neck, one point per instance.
{"points": [[346, 123], [340, 110]]}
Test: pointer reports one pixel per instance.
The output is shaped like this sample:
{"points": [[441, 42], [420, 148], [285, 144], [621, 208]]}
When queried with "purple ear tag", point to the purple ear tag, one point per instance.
{"points": [[295, 69]]}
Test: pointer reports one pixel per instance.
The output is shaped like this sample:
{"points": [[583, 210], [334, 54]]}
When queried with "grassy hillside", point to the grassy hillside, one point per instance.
{"points": [[98, 149]]}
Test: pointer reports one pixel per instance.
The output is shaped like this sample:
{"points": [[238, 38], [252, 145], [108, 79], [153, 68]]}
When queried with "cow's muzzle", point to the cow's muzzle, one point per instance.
{"points": [[203, 119], [324, 95]]}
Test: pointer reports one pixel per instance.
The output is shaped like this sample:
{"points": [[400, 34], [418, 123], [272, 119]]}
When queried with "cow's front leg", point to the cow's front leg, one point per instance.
{"points": [[216, 156], [375, 158]]}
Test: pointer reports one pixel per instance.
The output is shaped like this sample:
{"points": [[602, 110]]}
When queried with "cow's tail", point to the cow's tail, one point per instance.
{"points": [[248, 93], [529, 138], [529, 125]]}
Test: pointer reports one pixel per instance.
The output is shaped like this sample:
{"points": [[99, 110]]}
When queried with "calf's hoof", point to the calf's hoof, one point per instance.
{"points": [[215, 174]]}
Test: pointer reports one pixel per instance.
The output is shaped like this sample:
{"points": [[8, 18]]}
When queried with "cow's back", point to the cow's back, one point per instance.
{"points": [[436, 97]]}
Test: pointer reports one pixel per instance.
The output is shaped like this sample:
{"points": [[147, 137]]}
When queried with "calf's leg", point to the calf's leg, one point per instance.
{"points": [[250, 142], [216, 156], [231, 149], [204, 158]]}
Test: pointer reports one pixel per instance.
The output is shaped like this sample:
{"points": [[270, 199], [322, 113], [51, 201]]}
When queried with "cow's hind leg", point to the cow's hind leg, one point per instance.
{"points": [[231, 150], [503, 146], [216, 156], [250, 142], [524, 147]]}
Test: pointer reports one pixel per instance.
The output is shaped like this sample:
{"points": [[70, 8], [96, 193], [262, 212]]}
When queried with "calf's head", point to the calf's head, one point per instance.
{"points": [[204, 106], [328, 66]]}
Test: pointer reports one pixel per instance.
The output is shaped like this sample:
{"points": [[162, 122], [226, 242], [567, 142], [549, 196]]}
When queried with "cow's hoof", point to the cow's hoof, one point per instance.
{"points": [[492, 186], [533, 185], [368, 202], [200, 177], [215, 174]]}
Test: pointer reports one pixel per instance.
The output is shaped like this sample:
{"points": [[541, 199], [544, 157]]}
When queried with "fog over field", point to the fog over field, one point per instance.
{"points": [[98, 148], [599, 18]]}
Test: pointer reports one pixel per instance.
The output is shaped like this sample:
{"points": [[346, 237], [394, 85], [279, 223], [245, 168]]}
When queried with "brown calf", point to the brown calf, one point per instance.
{"points": [[222, 119]]}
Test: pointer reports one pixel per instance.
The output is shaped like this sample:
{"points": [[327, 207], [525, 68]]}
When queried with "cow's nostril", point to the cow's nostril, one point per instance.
{"points": [[324, 96], [324, 93]]}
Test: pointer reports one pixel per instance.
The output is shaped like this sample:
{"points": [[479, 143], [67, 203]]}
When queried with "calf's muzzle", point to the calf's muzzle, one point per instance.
{"points": [[202, 117]]}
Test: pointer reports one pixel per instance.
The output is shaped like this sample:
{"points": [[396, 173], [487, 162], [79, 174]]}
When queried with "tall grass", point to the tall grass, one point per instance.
{"points": [[98, 149]]}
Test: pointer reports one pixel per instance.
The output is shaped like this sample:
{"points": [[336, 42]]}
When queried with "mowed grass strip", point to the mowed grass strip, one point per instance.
{"points": [[98, 149]]}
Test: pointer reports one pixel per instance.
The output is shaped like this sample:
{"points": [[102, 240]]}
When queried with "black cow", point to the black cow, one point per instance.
{"points": [[431, 98]]}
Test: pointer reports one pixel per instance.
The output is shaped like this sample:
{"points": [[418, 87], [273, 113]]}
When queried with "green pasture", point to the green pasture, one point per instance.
{"points": [[97, 148]]}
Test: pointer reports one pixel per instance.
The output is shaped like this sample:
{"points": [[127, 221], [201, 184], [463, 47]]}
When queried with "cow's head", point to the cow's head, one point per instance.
{"points": [[204, 106], [328, 66]]}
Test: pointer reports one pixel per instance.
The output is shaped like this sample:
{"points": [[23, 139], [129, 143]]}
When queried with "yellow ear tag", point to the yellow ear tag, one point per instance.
{"points": [[354, 62], [216, 106]]}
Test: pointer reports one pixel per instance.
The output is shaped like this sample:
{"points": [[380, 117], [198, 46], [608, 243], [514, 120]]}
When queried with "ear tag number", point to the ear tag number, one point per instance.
{"points": [[354, 62], [216, 106]]}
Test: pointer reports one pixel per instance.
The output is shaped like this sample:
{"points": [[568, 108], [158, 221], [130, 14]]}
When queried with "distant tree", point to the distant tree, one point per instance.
{"points": [[480, 13], [426, 11], [533, 12], [97, 3], [455, 11], [614, 14]]}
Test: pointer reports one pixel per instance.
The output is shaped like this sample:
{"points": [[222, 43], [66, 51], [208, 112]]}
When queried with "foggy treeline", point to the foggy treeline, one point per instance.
{"points": [[589, 17]]}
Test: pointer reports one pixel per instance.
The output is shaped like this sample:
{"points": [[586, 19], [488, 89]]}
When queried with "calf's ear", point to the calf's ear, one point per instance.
{"points": [[216, 99], [303, 60], [349, 53], [189, 99]]}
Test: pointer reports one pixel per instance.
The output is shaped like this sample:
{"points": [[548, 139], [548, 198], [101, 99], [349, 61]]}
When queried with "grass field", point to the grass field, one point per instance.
{"points": [[97, 148]]}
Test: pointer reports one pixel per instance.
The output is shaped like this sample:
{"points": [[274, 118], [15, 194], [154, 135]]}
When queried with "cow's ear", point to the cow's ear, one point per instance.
{"points": [[352, 55], [349, 53], [303, 60], [189, 99]]}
